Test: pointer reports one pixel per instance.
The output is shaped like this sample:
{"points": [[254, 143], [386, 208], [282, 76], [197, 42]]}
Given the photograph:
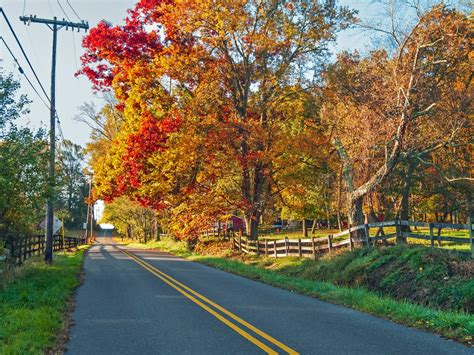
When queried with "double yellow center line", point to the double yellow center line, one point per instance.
{"points": [[213, 307]]}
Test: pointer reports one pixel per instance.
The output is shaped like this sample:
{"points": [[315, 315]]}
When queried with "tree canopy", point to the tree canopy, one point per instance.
{"points": [[236, 108]]}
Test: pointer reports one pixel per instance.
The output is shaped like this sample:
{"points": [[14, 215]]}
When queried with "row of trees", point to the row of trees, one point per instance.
{"points": [[24, 184], [234, 108]]}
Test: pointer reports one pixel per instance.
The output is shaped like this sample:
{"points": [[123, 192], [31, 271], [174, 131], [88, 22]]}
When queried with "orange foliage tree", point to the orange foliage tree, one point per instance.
{"points": [[205, 88], [386, 108]]}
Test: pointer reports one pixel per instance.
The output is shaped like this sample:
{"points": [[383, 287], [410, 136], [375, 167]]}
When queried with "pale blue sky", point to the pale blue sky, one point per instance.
{"points": [[72, 91]]}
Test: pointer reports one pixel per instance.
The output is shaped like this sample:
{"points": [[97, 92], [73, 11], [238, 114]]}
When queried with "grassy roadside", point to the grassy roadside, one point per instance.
{"points": [[34, 303], [292, 274]]}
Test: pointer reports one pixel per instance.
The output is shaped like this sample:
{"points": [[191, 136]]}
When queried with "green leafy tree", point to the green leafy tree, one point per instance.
{"points": [[23, 157], [72, 183]]}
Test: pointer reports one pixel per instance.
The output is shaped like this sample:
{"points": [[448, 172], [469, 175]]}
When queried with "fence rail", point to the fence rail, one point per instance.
{"points": [[313, 246], [288, 247], [23, 248]]}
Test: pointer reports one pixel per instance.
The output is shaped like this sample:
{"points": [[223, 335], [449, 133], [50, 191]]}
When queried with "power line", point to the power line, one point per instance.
{"points": [[50, 8], [72, 8], [20, 69], [75, 51], [64, 12], [32, 45], [60, 130], [23, 51]]}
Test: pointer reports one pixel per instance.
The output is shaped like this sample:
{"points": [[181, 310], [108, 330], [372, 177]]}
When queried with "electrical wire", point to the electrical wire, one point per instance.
{"points": [[31, 66], [50, 8], [74, 49], [20, 69], [24, 7], [72, 8], [60, 130], [23, 51], [64, 12], [33, 46]]}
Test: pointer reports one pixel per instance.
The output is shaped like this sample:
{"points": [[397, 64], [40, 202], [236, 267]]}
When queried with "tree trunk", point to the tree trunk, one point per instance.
{"points": [[339, 193], [405, 203], [157, 230], [313, 227], [356, 218], [305, 230], [247, 224], [253, 233]]}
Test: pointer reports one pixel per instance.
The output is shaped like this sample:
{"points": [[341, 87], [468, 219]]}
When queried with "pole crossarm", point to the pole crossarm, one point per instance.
{"points": [[63, 23]]}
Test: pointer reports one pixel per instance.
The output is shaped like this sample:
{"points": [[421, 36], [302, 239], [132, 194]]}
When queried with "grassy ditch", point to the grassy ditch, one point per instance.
{"points": [[34, 303], [417, 286]]}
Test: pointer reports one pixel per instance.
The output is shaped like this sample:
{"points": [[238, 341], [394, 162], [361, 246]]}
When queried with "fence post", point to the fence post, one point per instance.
{"points": [[367, 235], [431, 235], [351, 243], [274, 248], [240, 242], [313, 248], [330, 243], [397, 231], [257, 244], [286, 245], [471, 235], [266, 247], [300, 253]]}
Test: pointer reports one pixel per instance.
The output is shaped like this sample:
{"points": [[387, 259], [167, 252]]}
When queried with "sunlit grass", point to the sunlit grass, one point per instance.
{"points": [[295, 234], [33, 303], [74, 232], [426, 231], [165, 244]]}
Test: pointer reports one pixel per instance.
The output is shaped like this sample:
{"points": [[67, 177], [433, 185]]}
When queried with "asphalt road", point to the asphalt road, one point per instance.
{"points": [[149, 302]]}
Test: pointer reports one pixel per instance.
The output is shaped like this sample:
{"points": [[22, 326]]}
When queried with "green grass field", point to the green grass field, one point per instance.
{"points": [[426, 231], [33, 303], [74, 232], [295, 234]]}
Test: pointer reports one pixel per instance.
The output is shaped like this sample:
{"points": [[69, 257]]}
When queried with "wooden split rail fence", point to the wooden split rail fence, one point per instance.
{"points": [[22, 248], [313, 246]]}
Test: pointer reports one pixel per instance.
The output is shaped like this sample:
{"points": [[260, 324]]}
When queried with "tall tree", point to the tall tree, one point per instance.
{"points": [[383, 108], [232, 69], [74, 184], [23, 156]]}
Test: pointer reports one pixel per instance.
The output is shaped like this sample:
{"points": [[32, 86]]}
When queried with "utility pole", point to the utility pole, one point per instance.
{"points": [[54, 25], [90, 212]]}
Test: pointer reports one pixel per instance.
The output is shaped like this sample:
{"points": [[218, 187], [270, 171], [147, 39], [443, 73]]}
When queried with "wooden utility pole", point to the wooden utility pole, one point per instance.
{"points": [[54, 25]]}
